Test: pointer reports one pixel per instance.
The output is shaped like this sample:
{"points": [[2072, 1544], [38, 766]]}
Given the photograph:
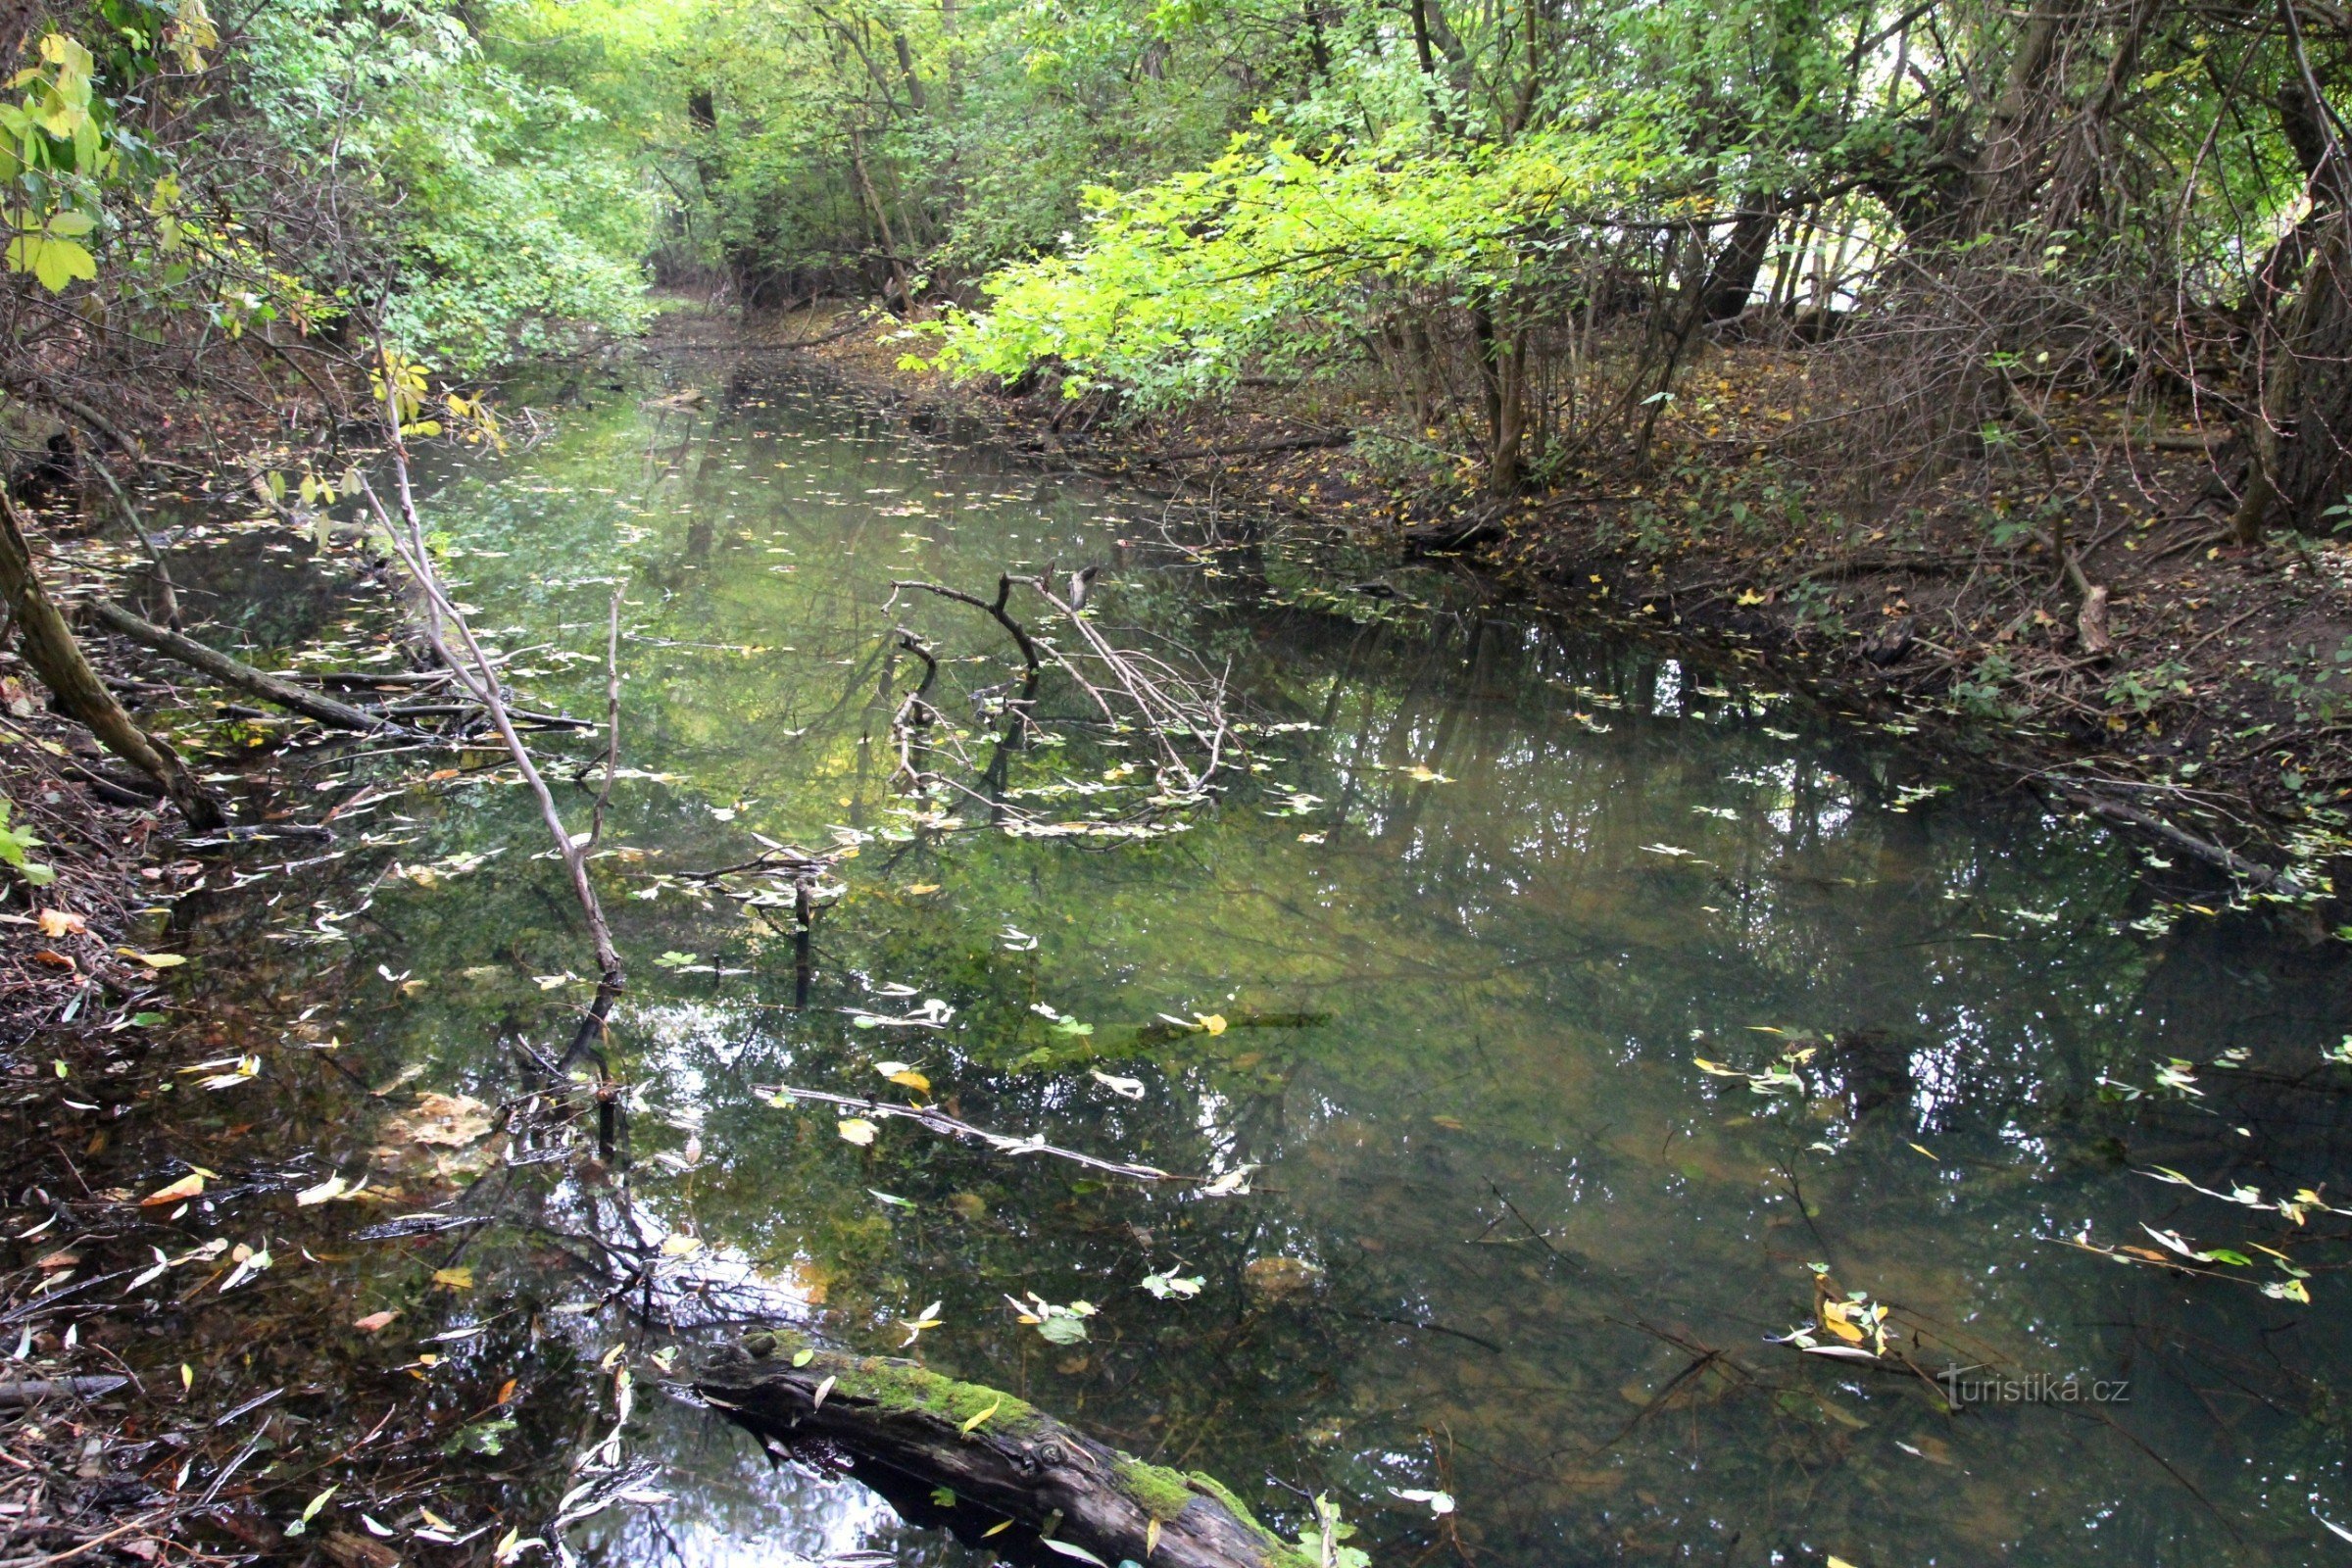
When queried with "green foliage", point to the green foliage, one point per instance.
{"points": [[508, 209], [14, 843], [1273, 251]]}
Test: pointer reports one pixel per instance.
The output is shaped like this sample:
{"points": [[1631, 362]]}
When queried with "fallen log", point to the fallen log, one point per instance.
{"points": [[49, 647], [34, 1391], [235, 672], [910, 1433], [1250, 449]]}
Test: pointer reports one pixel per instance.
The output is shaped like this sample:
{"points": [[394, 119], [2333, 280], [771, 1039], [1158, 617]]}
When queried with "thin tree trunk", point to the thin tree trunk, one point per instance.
{"points": [[881, 217], [55, 657]]}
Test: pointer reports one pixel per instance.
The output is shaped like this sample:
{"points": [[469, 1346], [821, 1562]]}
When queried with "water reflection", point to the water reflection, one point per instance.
{"points": [[1465, 933]]}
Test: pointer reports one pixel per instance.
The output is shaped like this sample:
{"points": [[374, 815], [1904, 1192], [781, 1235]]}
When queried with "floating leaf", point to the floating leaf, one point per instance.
{"points": [[374, 1322], [185, 1187], [454, 1278], [325, 1192], [857, 1130]]}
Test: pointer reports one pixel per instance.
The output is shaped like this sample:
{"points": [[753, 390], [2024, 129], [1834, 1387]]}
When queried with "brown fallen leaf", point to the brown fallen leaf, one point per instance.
{"points": [[62, 923], [450, 1120], [53, 959], [375, 1321]]}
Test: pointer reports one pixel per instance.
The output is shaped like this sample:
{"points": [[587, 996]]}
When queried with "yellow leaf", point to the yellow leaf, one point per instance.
{"points": [[1717, 1069], [161, 961], [1925, 1150], [185, 1188], [680, 1245], [1150, 1537], [1833, 1318], [1840, 1562], [857, 1130], [973, 1425], [912, 1080], [1213, 1022], [454, 1278]]}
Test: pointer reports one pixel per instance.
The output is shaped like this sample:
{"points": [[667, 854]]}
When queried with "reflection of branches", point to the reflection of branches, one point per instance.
{"points": [[1183, 712]]}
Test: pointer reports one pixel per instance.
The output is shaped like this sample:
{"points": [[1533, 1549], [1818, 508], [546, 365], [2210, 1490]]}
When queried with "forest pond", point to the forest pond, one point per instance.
{"points": [[1550, 1027]]}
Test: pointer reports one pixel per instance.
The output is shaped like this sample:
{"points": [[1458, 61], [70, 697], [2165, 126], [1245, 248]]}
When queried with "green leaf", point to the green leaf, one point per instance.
{"points": [[1063, 1330]]}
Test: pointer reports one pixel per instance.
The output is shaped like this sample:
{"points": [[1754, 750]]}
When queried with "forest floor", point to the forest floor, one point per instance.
{"points": [[2220, 718]]}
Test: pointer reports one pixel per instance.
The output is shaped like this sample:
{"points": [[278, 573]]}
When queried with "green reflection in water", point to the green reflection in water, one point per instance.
{"points": [[1505, 1236]]}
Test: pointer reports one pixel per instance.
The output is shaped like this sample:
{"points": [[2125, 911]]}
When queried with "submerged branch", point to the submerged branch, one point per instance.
{"points": [[941, 1122]]}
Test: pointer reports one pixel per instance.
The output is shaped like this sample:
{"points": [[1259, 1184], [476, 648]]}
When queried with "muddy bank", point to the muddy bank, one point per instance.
{"points": [[2123, 661]]}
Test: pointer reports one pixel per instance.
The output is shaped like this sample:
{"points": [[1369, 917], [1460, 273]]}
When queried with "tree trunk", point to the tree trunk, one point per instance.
{"points": [[1732, 279], [55, 657], [910, 1432], [2312, 460], [873, 206]]}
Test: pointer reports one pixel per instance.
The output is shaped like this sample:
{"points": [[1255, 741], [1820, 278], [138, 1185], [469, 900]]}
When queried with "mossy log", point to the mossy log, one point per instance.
{"points": [[908, 1432]]}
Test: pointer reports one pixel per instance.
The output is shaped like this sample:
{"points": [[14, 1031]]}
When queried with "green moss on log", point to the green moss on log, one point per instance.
{"points": [[1278, 1551], [1160, 1492], [896, 1388]]}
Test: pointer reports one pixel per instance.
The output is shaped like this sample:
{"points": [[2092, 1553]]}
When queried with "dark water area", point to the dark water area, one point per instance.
{"points": [[1569, 1024]]}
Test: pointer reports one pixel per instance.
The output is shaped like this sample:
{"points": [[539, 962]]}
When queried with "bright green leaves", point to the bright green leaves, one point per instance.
{"points": [[61, 102], [52, 147], [14, 843], [1276, 247], [52, 254]]}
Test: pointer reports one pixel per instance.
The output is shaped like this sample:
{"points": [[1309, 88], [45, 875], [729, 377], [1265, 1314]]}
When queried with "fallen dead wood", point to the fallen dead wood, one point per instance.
{"points": [[2253, 872], [49, 647], [1250, 449], [940, 1121], [235, 672], [35, 1391], [909, 1431]]}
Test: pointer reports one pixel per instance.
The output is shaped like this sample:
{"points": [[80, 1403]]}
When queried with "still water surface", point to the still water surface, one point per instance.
{"points": [[1479, 906]]}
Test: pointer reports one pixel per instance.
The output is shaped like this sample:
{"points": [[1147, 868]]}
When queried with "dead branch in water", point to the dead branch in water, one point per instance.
{"points": [[477, 675], [1131, 691], [235, 672], [941, 1122]]}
